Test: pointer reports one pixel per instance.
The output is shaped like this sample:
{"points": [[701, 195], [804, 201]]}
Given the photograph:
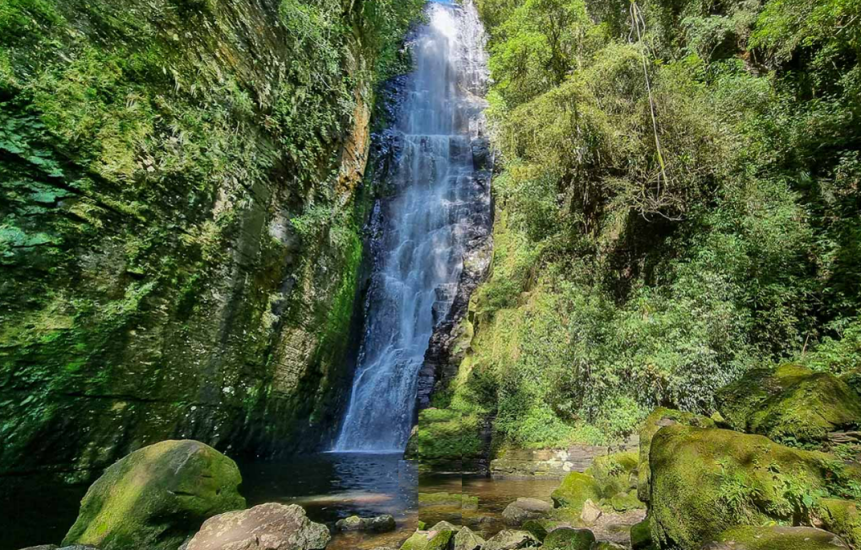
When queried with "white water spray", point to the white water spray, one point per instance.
{"points": [[425, 226]]}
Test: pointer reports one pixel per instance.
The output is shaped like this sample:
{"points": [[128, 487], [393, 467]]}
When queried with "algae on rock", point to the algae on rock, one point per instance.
{"points": [[156, 497], [792, 404], [705, 481]]}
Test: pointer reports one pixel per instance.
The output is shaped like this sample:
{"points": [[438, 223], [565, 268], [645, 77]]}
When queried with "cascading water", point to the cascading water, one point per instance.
{"points": [[425, 225]]}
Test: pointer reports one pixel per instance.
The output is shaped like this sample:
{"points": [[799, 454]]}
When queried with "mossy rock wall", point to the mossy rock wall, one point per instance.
{"points": [[180, 217]]}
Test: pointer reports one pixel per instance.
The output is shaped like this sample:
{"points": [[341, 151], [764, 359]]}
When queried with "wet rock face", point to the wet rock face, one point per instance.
{"points": [[264, 527], [156, 497], [179, 298]]}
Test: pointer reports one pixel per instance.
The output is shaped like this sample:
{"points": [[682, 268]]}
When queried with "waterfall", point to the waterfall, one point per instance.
{"points": [[425, 225]]}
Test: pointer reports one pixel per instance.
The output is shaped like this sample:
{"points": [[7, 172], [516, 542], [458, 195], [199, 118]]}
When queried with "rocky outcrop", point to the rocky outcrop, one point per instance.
{"points": [[156, 497], [181, 212], [264, 527]]}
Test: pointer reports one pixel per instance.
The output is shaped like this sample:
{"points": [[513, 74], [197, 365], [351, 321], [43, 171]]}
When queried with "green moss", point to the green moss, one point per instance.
{"points": [[842, 517], [659, 418], [705, 481], [447, 435], [779, 538], [624, 501], [615, 473], [566, 538], [792, 405], [641, 535], [575, 490], [156, 497], [429, 540]]}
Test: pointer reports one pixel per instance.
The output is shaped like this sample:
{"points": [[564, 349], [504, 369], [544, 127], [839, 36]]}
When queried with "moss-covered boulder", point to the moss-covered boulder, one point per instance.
{"points": [[615, 473], [156, 497], [466, 539], [776, 538], [511, 540], [658, 419], [842, 517], [537, 527], [705, 481], [792, 404], [622, 502], [431, 539], [566, 538], [576, 488], [264, 527], [524, 509]]}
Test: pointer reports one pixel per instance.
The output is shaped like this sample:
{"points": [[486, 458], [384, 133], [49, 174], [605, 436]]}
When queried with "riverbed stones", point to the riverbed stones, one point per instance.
{"points": [[466, 539], [510, 539], [376, 524], [265, 527], [575, 490], [156, 497], [567, 538], [590, 513], [524, 509], [776, 537], [429, 540]]}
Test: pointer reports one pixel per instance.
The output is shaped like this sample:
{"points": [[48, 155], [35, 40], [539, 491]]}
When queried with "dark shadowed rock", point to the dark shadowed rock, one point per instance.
{"points": [[156, 497], [265, 527]]}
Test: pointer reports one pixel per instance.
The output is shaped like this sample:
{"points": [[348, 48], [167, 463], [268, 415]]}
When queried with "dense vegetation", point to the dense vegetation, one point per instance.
{"points": [[678, 203]]}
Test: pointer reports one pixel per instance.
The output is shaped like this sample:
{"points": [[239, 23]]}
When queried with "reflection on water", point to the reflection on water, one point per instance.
{"points": [[329, 486], [332, 486]]}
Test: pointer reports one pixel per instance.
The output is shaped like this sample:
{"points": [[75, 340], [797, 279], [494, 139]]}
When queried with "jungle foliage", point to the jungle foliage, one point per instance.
{"points": [[678, 203]]}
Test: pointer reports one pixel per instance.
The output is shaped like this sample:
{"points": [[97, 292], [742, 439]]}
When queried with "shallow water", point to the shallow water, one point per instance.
{"points": [[329, 486], [332, 486]]}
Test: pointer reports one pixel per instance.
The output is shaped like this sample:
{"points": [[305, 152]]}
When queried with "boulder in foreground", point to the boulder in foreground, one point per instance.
{"points": [[156, 497], [706, 481], [265, 527]]}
